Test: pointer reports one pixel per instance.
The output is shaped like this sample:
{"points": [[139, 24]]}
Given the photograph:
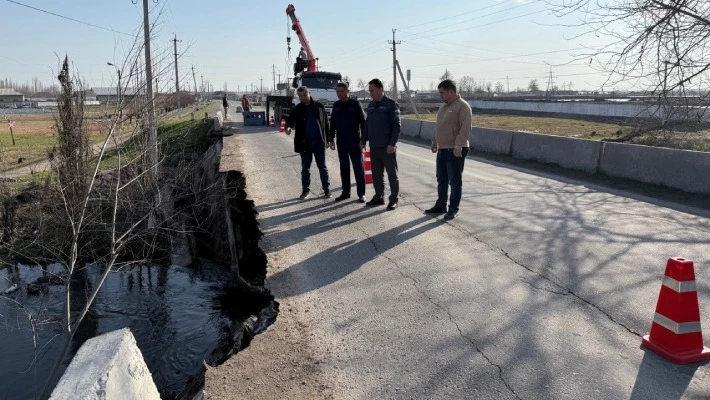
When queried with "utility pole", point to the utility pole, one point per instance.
{"points": [[279, 81], [202, 87], [194, 79], [175, 53], [273, 72], [507, 79], [394, 44], [406, 89], [261, 86], [152, 150]]}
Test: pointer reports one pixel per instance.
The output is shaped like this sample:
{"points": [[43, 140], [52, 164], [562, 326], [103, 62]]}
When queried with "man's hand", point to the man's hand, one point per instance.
{"points": [[391, 149], [362, 146], [458, 151], [434, 147], [288, 131], [332, 145]]}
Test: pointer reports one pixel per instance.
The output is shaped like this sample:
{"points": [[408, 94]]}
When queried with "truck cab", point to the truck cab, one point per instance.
{"points": [[321, 84]]}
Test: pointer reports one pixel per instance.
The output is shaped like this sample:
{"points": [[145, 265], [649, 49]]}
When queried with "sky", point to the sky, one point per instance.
{"points": [[241, 43]]}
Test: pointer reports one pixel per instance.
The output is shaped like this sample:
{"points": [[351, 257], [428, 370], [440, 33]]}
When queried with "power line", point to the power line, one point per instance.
{"points": [[70, 19], [478, 17], [487, 24], [455, 16]]}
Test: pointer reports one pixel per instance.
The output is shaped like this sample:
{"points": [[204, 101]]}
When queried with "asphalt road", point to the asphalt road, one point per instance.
{"points": [[541, 288]]}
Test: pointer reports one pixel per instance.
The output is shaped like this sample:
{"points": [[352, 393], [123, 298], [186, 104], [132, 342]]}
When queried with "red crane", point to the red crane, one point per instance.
{"points": [[298, 28]]}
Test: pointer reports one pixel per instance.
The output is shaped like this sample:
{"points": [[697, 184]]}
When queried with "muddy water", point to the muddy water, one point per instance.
{"points": [[178, 315]]}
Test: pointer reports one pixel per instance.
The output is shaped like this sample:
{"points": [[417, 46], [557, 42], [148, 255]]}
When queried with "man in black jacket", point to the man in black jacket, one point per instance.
{"points": [[382, 129], [312, 137], [346, 122]]}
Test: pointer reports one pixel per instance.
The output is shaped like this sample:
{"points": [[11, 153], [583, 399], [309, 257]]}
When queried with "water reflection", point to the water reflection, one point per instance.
{"points": [[172, 312]]}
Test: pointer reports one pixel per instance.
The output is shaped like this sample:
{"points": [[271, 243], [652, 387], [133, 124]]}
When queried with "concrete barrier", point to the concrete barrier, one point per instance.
{"points": [[411, 127], [681, 169], [491, 140], [107, 367], [579, 154], [428, 130], [218, 121]]}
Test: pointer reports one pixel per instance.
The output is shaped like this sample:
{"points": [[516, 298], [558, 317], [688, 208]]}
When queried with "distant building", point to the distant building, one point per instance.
{"points": [[109, 95], [10, 96]]}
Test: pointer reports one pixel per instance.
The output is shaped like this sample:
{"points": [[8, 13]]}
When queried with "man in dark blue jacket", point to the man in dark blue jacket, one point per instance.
{"points": [[312, 138], [382, 128], [346, 122]]}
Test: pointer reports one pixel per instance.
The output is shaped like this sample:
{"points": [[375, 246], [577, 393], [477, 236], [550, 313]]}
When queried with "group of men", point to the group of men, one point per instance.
{"points": [[350, 128]]}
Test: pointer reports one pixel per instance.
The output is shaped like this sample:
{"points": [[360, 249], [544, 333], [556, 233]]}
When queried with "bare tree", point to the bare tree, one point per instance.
{"points": [[499, 87], [466, 85], [446, 75], [533, 86], [661, 47], [361, 84]]}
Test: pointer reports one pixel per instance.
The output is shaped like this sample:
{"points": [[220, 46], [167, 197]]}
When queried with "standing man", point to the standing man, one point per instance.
{"points": [[312, 137], [450, 143], [382, 128], [246, 105], [346, 123], [225, 104]]}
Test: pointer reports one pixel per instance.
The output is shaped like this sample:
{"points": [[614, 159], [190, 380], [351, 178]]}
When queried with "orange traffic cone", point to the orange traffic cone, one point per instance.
{"points": [[675, 331], [283, 125], [368, 168], [271, 121]]}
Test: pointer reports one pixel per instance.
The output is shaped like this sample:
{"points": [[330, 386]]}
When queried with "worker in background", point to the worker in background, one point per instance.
{"points": [[312, 137], [346, 121], [225, 104], [450, 143], [382, 128], [246, 105], [302, 54]]}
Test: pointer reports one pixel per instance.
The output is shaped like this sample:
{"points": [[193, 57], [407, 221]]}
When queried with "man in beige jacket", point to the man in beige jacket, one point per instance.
{"points": [[450, 143]]}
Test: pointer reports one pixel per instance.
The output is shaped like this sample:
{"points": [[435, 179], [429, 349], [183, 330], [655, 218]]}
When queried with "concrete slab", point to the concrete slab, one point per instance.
{"points": [[107, 367], [578, 154], [491, 140], [680, 169], [411, 127]]}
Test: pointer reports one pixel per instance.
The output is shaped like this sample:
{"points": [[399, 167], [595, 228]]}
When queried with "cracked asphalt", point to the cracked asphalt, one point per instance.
{"points": [[540, 289]]}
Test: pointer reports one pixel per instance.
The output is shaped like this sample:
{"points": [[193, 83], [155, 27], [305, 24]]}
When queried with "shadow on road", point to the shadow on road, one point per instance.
{"points": [[342, 259], [654, 369]]}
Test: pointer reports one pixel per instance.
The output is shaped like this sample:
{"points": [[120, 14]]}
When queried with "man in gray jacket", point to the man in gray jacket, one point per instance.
{"points": [[382, 128]]}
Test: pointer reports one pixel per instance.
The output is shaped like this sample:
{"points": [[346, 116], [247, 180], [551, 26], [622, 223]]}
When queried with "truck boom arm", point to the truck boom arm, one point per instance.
{"points": [[298, 28]]}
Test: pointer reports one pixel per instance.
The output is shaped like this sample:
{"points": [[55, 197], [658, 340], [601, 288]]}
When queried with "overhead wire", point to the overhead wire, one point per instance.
{"points": [[456, 16], [69, 18], [476, 18]]}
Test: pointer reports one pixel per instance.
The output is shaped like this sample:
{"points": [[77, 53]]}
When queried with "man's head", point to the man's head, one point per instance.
{"points": [[304, 94], [343, 92], [447, 90], [377, 89]]}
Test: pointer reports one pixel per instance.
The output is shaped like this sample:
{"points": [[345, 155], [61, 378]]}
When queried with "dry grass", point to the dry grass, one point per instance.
{"points": [[693, 138], [544, 125], [34, 136]]}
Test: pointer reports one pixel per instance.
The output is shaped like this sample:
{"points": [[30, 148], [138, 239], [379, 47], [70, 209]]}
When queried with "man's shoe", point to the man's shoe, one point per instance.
{"points": [[392, 205], [450, 215], [361, 199], [327, 195], [304, 194], [435, 210], [342, 197], [375, 202]]}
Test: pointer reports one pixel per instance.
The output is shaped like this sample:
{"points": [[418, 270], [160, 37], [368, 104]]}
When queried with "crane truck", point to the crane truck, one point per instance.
{"points": [[321, 84]]}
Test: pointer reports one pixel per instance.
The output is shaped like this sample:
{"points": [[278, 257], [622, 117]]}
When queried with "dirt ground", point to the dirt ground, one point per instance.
{"points": [[34, 136], [281, 363]]}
